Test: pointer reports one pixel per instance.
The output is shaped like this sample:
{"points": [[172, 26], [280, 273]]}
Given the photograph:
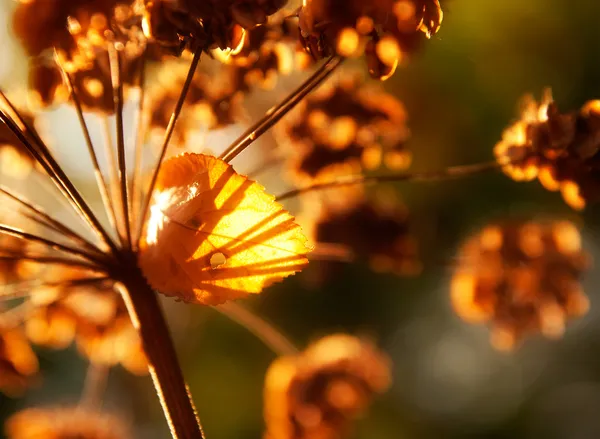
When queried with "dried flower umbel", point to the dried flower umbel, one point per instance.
{"points": [[384, 30], [319, 392], [561, 149], [522, 277]]}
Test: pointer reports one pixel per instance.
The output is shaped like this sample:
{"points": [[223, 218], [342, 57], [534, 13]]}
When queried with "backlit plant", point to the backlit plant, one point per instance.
{"points": [[190, 227]]}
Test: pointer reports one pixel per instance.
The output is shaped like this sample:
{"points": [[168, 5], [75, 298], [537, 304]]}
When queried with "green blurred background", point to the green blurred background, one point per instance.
{"points": [[461, 91]]}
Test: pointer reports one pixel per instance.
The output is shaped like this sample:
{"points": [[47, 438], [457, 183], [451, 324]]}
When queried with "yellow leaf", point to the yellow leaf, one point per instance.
{"points": [[213, 235]]}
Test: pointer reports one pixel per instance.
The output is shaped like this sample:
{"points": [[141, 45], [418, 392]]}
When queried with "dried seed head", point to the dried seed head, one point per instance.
{"points": [[265, 53], [205, 25], [344, 127], [213, 235], [65, 423], [384, 30], [375, 230], [212, 102], [18, 363], [319, 392], [561, 150], [76, 33], [522, 278]]}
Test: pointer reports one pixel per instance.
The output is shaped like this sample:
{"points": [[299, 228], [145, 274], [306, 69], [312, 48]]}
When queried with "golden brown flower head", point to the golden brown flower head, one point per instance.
{"points": [[561, 150], [522, 277], [266, 52], [94, 316], [65, 423], [15, 160], [18, 363], [344, 127], [212, 102], [79, 31], [207, 24], [375, 230], [384, 30], [214, 235], [318, 393]]}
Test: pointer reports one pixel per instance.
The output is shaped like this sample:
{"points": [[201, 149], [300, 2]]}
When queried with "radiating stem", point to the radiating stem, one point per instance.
{"points": [[47, 219], [169, 133], [20, 234], [17, 257], [113, 175], [262, 329], [100, 182], [147, 317], [44, 157], [276, 113], [325, 251], [349, 180], [139, 137], [117, 85]]}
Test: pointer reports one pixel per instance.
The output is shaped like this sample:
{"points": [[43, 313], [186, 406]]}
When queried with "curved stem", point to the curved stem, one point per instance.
{"points": [[40, 152], [167, 138], [262, 329], [147, 317], [349, 180], [47, 220], [276, 113], [20, 234], [100, 181]]}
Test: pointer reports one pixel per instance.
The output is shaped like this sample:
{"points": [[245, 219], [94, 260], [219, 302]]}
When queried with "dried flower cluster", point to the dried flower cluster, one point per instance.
{"points": [[344, 127], [521, 277], [317, 393], [65, 423], [562, 150], [384, 30]]}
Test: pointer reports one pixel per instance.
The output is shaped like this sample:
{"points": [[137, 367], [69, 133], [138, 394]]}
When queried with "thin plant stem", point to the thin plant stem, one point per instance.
{"points": [[276, 113], [44, 157], [94, 387], [114, 58], [451, 172], [7, 256], [167, 138], [139, 136], [20, 234], [113, 176], [25, 289], [147, 317], [325, 251], [258, 326], [47, 219], [100, 181]]}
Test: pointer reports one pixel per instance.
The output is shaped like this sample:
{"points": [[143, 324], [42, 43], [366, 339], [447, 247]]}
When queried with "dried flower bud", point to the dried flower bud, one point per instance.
{"points": [[561, 150], [213, 235], [18, 363], [344, 127], [384, 30], [318, 393], [181, 24], [523, 278], [65, 423]]}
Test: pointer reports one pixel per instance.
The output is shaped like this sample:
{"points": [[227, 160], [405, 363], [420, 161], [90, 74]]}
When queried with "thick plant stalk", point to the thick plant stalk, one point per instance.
{"points": [[147, 317]]}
